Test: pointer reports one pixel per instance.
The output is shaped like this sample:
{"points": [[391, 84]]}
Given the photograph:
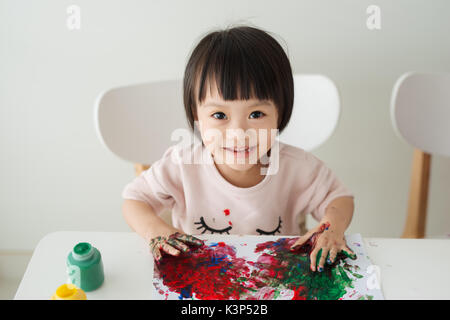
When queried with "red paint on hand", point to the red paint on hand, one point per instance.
{"points": [[324, 226]]}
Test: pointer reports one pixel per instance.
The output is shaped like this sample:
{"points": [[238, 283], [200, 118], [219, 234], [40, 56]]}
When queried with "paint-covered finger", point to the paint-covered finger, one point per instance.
{"points": [[332, 255], [348, 253], [301, 241], [187, 238], [156, 253], [178, 244], [169, 249], [155, 241], [154, 244], [311, 236], [322, 255], [313, 258]]}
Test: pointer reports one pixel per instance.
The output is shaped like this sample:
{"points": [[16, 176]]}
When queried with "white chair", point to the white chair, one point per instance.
{"points": [[315, 114], [420, 113], [135, 122]]}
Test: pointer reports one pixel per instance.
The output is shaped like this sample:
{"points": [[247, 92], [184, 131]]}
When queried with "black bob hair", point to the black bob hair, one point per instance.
{"points": [[245, 62]]}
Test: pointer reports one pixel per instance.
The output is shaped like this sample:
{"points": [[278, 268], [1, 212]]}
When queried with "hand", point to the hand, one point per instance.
{"points": [[323, 244], [172, 244]]}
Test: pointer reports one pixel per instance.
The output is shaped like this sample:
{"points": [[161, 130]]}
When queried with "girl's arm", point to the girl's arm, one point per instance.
{"points": [[142, 219], [160, 236], [339, 213]]}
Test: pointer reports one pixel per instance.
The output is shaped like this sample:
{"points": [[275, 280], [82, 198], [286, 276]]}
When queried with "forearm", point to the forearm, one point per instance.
{"points": [[142, 219], [339, 213]]}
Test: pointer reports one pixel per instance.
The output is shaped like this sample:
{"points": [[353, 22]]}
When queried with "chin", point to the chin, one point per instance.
{"points": [[240, 167], [233, 162]]}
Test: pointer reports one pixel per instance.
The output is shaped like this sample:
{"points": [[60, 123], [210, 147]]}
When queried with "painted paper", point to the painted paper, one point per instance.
{"points": [[262, 268]]}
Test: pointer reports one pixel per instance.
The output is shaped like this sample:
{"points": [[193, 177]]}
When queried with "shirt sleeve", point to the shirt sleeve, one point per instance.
{"points": [[326, 187], [158, 186]]}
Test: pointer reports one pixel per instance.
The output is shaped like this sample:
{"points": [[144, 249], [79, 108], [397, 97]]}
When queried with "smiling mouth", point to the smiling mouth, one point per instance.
{"points": [[241, 150]]}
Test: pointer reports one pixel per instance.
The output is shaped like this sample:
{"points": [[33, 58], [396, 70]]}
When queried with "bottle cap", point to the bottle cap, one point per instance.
{"points": [[69, 292], [66, 291], [82, 251]]}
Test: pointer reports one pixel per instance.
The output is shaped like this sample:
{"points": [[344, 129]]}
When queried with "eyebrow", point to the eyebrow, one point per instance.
{"points": [[218, 104]]}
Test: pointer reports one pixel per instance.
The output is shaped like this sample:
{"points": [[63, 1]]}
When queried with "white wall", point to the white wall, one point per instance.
{"points": [[55, 174]]}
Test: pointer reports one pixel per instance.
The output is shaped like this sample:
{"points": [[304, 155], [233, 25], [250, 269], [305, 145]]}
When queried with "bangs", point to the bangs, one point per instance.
{"points": [[238, 72], [242, 63]]}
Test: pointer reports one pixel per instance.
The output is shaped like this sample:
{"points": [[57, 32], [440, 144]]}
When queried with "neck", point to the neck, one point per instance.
{"points": [[242, 179]]}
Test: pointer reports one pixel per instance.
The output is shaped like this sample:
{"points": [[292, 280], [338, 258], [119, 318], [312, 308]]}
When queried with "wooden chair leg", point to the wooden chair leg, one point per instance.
{"points": [[139, 168], [418, 195]]}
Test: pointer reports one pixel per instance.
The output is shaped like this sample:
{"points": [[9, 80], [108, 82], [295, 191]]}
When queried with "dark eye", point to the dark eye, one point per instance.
{"points": [[257, 114], [262, 232], [204, 226], [219, 115]]}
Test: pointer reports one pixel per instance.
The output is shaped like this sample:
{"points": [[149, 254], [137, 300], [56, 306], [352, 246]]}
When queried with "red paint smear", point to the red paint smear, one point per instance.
{"points": [[229, 222], [226, 211], [298, 293], [209, 272], [272, 245]]}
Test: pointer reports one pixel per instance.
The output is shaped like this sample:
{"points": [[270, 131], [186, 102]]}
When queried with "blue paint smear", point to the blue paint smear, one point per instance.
{"points": [[214, 261], [186, 292]]}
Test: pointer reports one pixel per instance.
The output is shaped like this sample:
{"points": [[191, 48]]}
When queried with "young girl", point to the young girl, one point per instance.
{"points": [[239, 80]]}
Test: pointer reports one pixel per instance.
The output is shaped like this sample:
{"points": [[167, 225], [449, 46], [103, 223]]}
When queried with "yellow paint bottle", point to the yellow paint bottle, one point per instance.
{"points": [[69, 292]]}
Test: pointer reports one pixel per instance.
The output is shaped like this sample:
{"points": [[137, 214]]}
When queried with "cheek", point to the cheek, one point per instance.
{"points": [[211, 136], [266, 137]]}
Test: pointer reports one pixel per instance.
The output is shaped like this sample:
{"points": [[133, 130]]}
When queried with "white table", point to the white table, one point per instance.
{"points": [[409, 268]]}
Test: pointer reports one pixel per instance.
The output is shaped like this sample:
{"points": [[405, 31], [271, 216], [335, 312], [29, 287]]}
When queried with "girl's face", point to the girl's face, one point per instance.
{"points": [[239, 132]]}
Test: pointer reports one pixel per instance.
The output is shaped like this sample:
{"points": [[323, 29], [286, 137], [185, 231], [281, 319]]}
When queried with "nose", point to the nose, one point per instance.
{"points": [[238, 133]]}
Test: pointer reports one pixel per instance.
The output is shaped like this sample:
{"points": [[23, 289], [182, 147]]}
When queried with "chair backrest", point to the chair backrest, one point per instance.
{"points": [[420, 111], [315, 114], [136, 122]]}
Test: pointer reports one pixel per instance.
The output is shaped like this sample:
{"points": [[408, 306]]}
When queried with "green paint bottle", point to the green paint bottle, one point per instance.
{"points": [[85, 267]]}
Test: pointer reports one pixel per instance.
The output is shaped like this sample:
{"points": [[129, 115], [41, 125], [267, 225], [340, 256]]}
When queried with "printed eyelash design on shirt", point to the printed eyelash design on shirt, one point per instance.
{"points": [[212, 230], [262, 232]]}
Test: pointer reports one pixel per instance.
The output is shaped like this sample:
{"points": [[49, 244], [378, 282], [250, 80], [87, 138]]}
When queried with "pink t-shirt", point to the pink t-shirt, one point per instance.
{"points": [[202, 201]]}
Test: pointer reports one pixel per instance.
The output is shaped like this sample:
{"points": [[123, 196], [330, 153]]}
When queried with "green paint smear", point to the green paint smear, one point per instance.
{"points": [[356, 275], [292, 271]]}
